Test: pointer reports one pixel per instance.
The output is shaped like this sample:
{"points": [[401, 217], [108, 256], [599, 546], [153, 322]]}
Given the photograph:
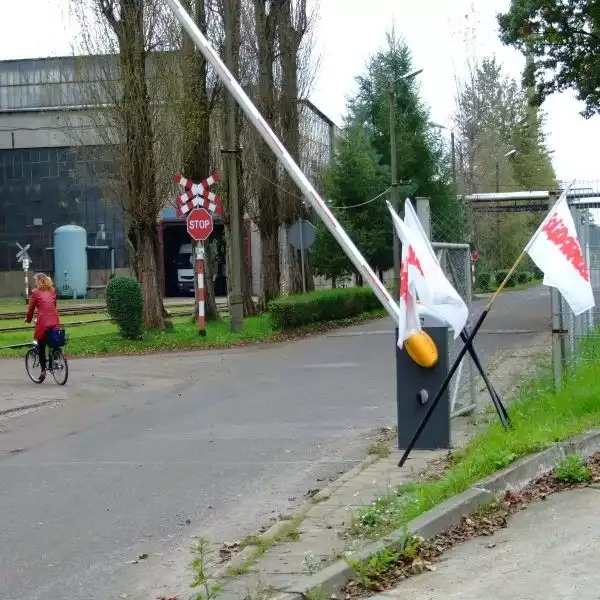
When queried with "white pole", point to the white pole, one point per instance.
{"points": [[286, 160]]}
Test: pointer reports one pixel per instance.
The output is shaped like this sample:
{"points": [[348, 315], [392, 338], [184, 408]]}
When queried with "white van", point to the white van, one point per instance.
{"points": [[185, 269]]}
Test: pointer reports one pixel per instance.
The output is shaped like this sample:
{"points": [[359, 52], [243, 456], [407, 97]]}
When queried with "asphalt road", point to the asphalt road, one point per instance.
{"points": [[139, 454]]}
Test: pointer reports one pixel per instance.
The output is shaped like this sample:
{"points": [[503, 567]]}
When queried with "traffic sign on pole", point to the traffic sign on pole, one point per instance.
{"points": [[199, 224], [475, 256]]}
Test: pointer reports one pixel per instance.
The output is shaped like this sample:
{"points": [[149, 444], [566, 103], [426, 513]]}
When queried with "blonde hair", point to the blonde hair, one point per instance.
{"points": [[43, 282]]}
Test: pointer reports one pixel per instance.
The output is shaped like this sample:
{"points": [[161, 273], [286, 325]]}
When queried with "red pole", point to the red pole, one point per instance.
{"points": [[200, 288]]}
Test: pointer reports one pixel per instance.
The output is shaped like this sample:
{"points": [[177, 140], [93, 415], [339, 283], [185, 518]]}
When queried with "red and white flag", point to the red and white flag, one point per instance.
{"points": [[556, 251], [411, 276], [438, 295]]}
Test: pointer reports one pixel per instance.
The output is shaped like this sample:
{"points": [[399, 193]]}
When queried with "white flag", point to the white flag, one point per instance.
{"points": [[438, 295], [410, 272], [556, 251]]}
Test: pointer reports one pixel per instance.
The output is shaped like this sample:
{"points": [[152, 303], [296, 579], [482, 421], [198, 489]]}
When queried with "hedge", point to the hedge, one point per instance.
{"points": [[501, 275], [483, 280], [289, 312]]}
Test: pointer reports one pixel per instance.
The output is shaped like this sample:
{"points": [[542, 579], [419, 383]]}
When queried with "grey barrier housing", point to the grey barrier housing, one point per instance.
{"points": [[416, 386]]}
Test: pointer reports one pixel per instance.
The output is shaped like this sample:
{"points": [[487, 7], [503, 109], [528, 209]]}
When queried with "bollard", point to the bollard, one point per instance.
{"points": [[416, 386]]}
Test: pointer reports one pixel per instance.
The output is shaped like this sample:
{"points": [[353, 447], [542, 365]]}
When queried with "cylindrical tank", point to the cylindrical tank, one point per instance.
{"points": [[70, 261]]}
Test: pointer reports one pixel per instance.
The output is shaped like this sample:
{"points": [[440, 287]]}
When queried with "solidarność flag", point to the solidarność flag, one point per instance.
{"points": [[410, 271], [556, 251], [438, 295]]}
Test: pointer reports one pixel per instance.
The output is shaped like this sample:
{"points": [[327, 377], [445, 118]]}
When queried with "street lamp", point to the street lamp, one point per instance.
{"points": [[509, 156], [452, 149], [394, 167]]}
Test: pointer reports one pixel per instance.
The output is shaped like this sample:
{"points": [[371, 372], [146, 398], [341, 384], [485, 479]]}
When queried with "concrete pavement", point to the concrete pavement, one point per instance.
{"points": [[550, 550], [138, 454]]}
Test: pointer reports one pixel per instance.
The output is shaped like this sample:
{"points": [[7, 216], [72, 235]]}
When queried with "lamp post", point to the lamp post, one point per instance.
{"points": [[508, 156], [452, 150], [394, 168]]}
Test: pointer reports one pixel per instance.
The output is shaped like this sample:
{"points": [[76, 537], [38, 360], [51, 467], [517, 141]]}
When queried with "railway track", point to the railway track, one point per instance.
{"points": [[180, 313], [85, 310]]}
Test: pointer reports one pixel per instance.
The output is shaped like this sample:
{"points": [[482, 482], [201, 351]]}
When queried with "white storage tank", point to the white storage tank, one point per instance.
{"points": [[70, 261]]}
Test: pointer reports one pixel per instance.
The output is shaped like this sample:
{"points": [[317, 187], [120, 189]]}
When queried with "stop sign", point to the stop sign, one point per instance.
{"points": [[199, 224]]}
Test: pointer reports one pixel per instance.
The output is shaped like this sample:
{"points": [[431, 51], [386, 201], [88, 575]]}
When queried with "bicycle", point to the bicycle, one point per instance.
{"points": [[58, 364]]}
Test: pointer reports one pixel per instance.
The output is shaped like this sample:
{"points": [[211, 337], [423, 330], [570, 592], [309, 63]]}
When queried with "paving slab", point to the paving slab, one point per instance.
{"points": [[550, 550]]}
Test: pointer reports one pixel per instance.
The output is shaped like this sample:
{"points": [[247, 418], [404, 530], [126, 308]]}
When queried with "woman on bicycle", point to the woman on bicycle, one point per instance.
{"points": [[43, 298]]}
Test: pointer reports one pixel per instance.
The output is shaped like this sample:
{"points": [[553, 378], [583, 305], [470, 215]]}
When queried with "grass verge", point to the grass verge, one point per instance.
{"points": [[413, 555], [541, 417], [103, 339]]}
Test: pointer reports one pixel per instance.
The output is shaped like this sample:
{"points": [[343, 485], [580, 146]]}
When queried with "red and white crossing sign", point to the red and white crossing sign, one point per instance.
{"points": [[199, 224], [199, 204], [198, 195]]}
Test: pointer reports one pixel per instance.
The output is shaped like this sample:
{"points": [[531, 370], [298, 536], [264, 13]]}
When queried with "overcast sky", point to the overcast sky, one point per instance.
{"points": [[347, 33]]}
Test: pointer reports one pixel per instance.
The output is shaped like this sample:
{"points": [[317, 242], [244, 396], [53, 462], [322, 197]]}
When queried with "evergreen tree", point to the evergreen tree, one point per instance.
{"points": [[423, 162], [350, 184]]}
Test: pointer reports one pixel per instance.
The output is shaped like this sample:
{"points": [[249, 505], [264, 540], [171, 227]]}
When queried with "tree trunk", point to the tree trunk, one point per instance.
{"points": [[270, 274], [137, 157], [268, 201], [196, 117], [292, 27], [147, 274], [250, 309]]}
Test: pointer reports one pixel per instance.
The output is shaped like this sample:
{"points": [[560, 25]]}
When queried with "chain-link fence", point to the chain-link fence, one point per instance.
{"points": [[577, 338], [455, 260]]}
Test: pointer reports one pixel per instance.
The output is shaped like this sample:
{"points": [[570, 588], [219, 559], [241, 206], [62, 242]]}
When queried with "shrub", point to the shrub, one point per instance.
{"points": [[523, 277], [500, 276], [289, 312], [538, 273], [125, 305], [482, 281]]}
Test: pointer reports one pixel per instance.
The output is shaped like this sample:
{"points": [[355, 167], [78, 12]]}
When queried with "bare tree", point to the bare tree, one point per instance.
{"points": [[197, 104], [293, 27], [232, 125], [266, 18], [119, 83]]}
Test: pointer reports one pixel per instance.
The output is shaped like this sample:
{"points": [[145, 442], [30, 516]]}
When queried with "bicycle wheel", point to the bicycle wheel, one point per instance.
{"points": [[60, 367], [32, 365]]}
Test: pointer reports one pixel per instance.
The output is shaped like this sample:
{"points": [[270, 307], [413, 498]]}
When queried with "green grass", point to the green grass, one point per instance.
{"points": [[103, 338], [541, 417]]}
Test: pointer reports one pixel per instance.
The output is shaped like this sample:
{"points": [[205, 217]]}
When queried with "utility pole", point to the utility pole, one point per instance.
{"points": [[394, 194], [231, 22]]}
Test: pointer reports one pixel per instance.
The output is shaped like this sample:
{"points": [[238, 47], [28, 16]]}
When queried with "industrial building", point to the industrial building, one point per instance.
{"points": [[48, 180]]}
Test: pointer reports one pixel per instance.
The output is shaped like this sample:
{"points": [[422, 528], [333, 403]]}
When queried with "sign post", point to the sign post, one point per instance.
{"points": [[200, 225], [302, 236], [23, 258]]}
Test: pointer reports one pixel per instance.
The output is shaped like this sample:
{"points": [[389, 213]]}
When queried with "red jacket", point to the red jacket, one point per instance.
{"points": [[45, 302]]}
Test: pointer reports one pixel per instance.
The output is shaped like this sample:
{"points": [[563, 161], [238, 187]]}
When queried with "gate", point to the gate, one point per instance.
{"points": [[455, 260]]}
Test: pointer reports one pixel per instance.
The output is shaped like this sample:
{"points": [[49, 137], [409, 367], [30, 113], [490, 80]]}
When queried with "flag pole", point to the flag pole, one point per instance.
{"points": [[468, 342]]}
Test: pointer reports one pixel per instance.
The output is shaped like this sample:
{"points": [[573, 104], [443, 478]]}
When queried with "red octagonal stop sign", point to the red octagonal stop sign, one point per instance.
{"points": [[199, 224]]}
